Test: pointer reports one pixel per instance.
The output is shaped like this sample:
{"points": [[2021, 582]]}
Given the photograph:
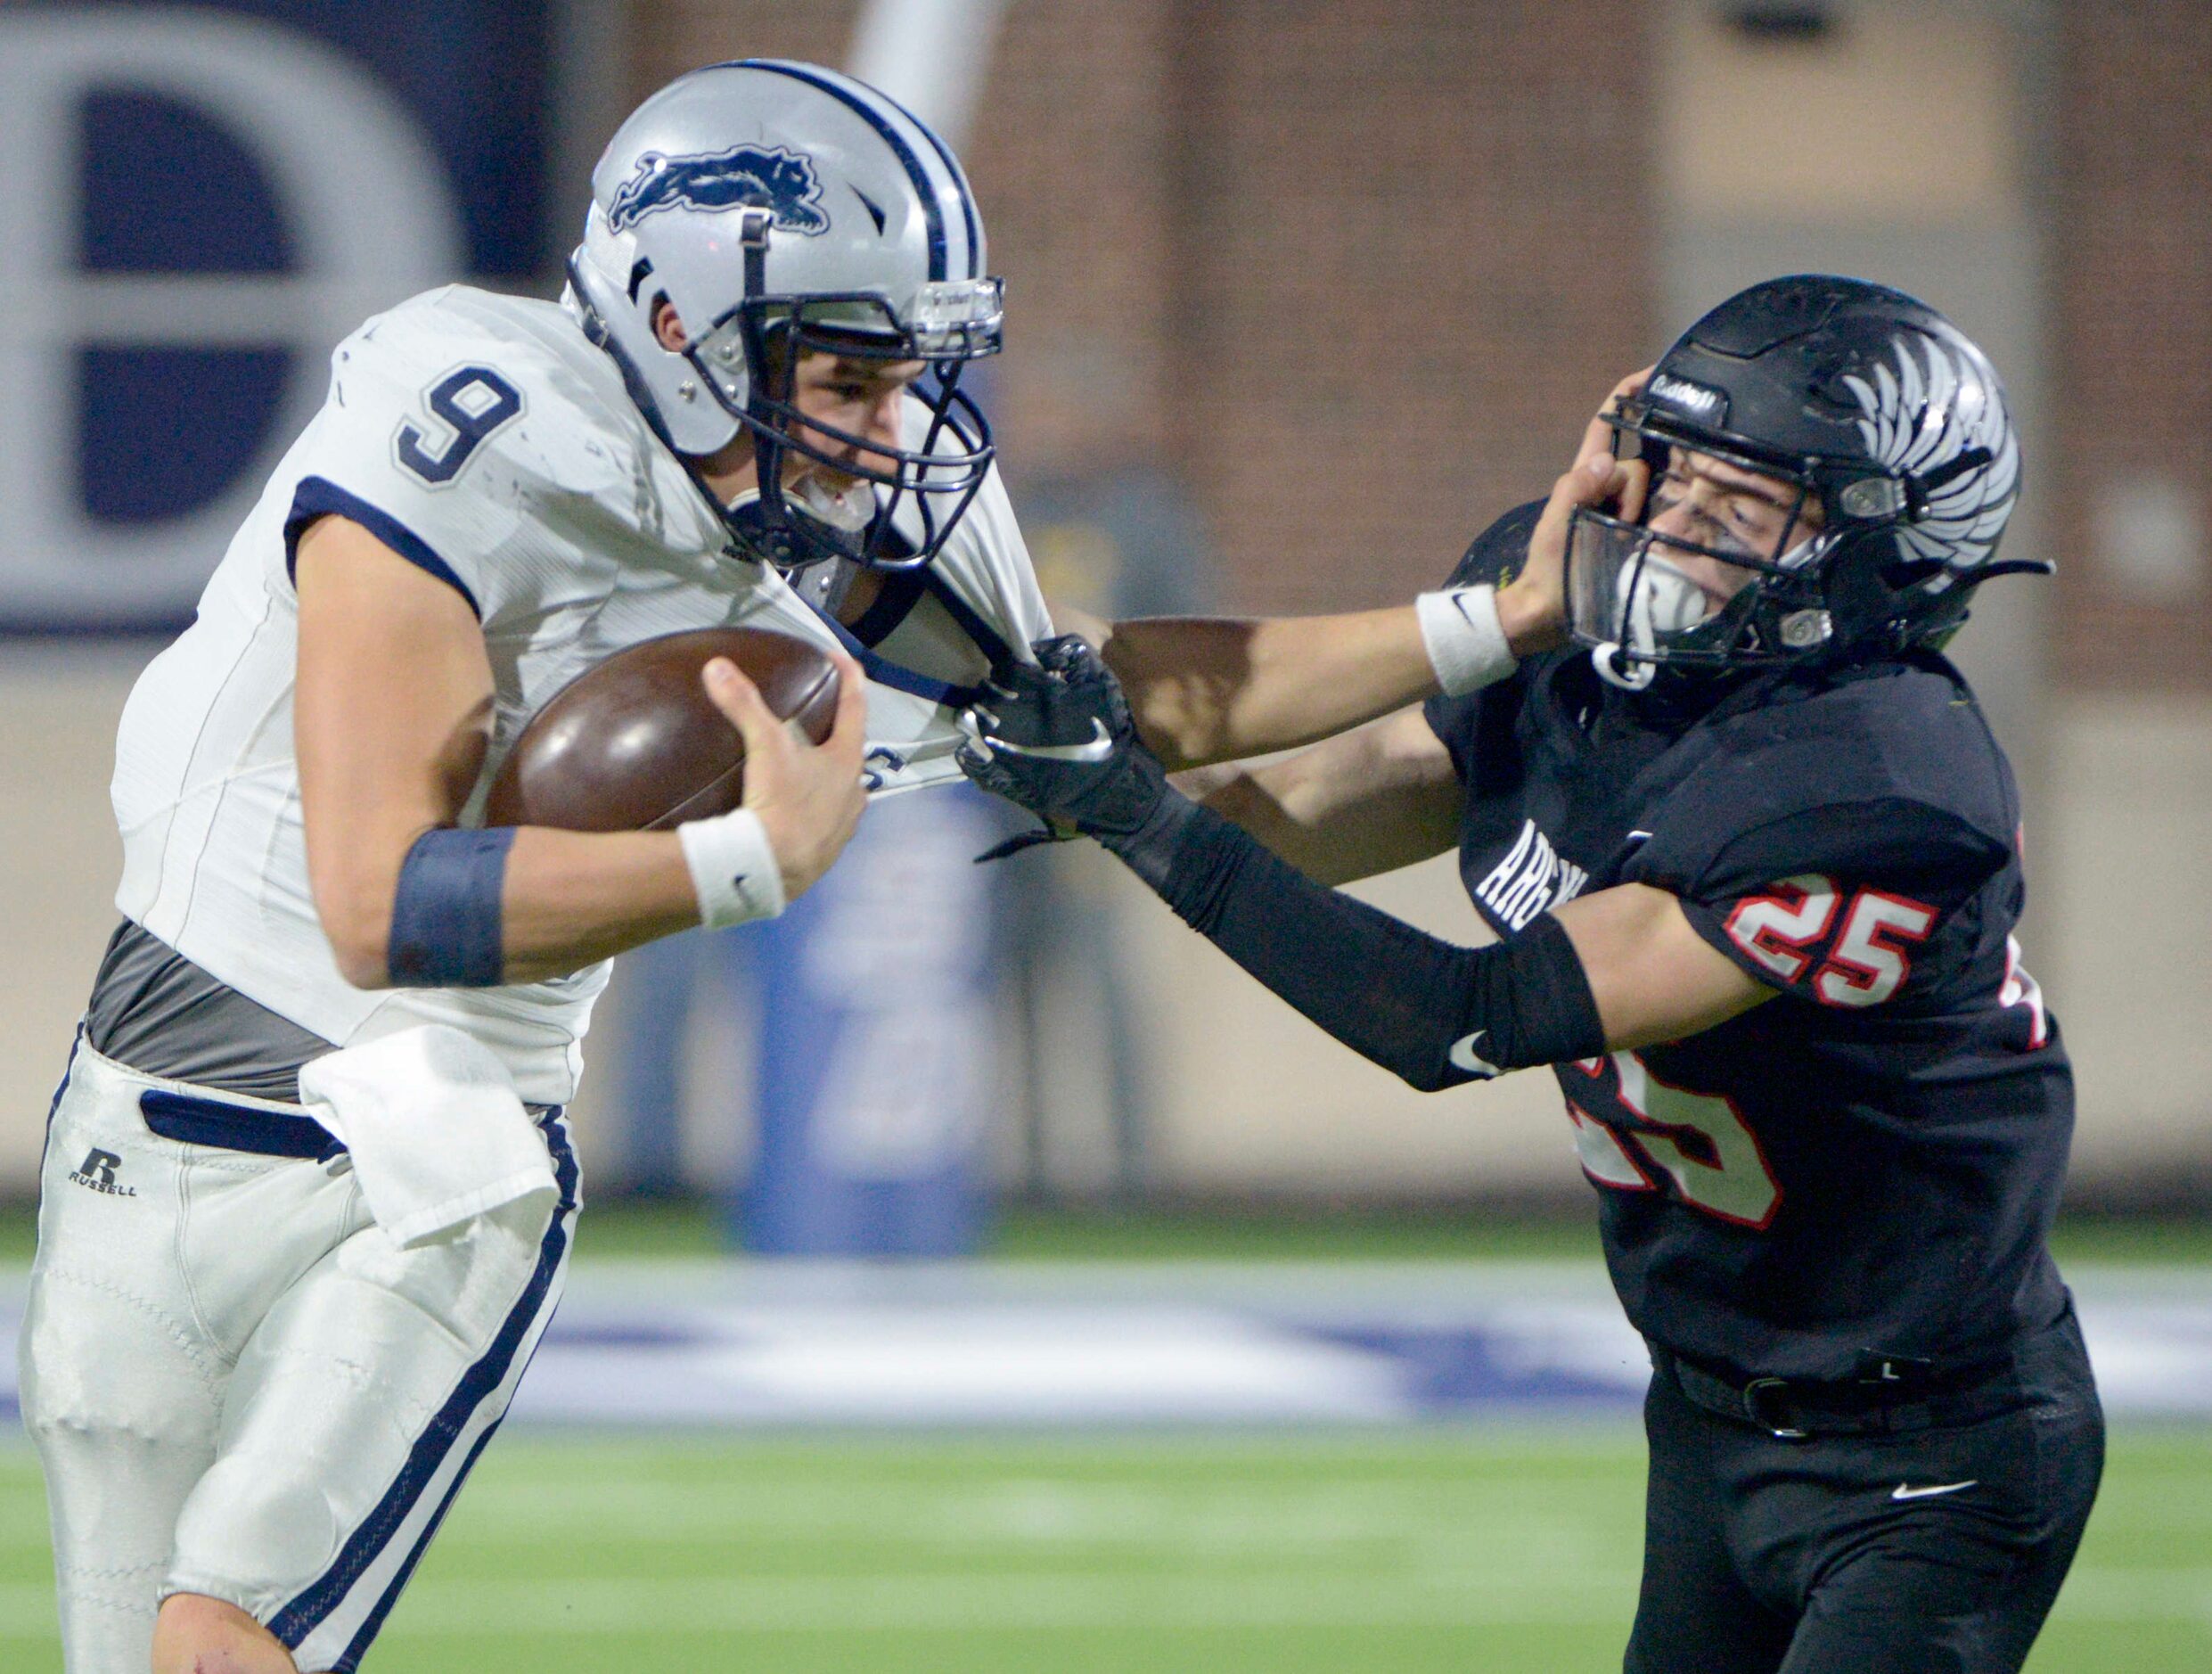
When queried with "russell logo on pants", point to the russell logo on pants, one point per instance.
{"points": [[97, 1173]]}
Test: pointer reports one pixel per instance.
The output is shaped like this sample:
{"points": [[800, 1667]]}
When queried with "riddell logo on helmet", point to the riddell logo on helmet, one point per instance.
{"points": [[762, 176], [1701, 401]]}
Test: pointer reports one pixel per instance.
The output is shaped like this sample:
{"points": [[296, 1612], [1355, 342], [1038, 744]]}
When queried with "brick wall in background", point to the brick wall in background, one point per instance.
{"points": [[1071, 151], [670, 36], [1421, 239], [2132, 261], [1353, 270]]}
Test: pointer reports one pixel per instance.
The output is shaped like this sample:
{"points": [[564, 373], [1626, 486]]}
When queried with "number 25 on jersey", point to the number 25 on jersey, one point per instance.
{"points": [[1697, 1140], [1870, 960]]}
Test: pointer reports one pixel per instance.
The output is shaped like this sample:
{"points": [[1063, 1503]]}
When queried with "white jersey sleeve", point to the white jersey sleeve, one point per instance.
{"points": [[982, 602], [476, 452], [406, 447]]}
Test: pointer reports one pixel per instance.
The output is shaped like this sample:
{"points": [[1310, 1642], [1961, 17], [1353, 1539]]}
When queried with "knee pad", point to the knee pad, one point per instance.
{"points": [[247, 1513], [100, 1361]]}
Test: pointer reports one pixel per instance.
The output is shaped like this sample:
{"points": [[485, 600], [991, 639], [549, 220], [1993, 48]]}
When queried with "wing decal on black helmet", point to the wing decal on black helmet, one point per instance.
{"points": [[1916, 421]]}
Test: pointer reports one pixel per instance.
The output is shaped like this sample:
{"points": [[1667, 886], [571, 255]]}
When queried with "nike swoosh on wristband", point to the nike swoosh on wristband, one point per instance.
{"points": [[1904, 1491], [1100, 746]]}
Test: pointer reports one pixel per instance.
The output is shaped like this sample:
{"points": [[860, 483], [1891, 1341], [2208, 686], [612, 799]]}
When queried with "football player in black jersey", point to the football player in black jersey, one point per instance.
{"points": [[1754, 858]]}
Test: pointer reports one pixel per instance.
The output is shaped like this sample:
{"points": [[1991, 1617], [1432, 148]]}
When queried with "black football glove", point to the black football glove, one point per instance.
{"points": [[1057, 739]]}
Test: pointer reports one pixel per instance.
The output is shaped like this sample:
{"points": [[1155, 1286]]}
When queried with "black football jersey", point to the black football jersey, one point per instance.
{"points": [[1867, 1165]]}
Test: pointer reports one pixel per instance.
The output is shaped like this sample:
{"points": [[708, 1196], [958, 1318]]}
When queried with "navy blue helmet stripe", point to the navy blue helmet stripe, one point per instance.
{"points": [[307, 1612], [960, 184], [932, 211]]}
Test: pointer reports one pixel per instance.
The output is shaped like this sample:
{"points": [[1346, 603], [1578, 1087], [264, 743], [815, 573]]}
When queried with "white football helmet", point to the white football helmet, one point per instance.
{"points": [[782, 207]]}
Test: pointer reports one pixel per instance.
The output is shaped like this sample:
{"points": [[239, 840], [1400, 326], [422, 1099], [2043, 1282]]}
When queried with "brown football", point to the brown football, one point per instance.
{"points": [[636, 745]]}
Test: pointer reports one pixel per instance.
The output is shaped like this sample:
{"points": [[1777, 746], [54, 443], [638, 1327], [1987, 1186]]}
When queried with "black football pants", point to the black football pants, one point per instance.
{"points": [[1766, 1555]]}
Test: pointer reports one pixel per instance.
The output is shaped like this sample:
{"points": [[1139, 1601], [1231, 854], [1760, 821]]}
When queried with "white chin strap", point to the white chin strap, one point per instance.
{"points": [[1660, 599], [1634, 678]]}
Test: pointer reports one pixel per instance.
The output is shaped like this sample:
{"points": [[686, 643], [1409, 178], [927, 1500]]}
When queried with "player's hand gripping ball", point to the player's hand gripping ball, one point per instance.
{"points": [[635, 743]]}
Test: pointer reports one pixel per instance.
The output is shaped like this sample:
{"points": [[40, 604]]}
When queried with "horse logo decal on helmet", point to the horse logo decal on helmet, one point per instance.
{"points": [[761, 177]]}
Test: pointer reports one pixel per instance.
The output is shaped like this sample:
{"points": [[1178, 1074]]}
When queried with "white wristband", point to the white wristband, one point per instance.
{"points": [[732, 868], [1465, 643]]}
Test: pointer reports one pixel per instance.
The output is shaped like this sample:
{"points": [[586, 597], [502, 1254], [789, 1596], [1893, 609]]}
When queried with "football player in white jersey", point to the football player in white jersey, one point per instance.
{"points": [[318, 1087]]}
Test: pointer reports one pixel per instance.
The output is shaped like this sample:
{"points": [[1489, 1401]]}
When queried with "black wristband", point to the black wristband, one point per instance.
{"points": [[1433, 1013]]}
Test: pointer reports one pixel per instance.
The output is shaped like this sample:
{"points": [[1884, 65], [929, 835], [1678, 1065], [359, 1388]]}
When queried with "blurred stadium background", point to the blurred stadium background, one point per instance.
{"points": [[981, 1273]]}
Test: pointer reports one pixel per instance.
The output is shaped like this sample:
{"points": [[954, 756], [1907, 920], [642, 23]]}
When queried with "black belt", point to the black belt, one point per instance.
{"points": [[195, 1121], [1887, 1402]]}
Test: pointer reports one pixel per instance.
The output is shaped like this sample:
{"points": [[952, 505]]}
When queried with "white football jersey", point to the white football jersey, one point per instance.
{"points": [[485, 438]]}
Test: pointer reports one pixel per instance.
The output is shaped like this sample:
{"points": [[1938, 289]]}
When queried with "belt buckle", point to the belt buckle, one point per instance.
{"points": [[1754, 1394]]}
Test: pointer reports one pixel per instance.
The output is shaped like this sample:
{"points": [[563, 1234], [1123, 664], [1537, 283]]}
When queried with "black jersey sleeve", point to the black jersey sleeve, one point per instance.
{"points": [[1836, 902], [1494, 559], [1826, 844]]}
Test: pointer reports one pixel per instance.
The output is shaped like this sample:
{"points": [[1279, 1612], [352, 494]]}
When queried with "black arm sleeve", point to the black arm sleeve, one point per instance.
{"points": [[1429, 1011]]}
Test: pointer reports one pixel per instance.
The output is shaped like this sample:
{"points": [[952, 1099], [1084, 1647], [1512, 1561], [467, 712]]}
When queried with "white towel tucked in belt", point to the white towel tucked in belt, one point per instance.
{"points": [[437, 1133]]}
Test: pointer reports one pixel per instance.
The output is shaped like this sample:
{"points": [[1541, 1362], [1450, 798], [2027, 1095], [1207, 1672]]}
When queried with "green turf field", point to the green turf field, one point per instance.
{"points": [[631, 1229], [1498, 1550]]}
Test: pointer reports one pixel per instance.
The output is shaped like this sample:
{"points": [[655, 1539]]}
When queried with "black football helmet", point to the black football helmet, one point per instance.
{"points": [[1880, 414]]}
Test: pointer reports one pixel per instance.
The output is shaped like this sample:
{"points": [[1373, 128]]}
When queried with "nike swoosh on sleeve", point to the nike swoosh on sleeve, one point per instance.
{"points": [[1463, 1057], [1904, 1491]]}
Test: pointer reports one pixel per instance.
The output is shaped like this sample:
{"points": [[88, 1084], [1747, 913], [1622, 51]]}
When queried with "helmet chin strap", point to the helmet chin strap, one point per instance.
{"points": [[770, 529], [1633, 677]]}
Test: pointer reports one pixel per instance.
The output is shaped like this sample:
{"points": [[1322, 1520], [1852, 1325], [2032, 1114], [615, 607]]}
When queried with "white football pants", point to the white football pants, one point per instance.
{"points": [[239, 1386]]}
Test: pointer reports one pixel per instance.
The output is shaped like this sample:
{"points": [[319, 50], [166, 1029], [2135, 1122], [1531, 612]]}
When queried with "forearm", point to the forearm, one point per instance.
{"points": [[1205, 689], [481, 908], [1368, 801], [1430, 1012], [1216, 689], [1063, 745], [1334, 845], [572, 898]]}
